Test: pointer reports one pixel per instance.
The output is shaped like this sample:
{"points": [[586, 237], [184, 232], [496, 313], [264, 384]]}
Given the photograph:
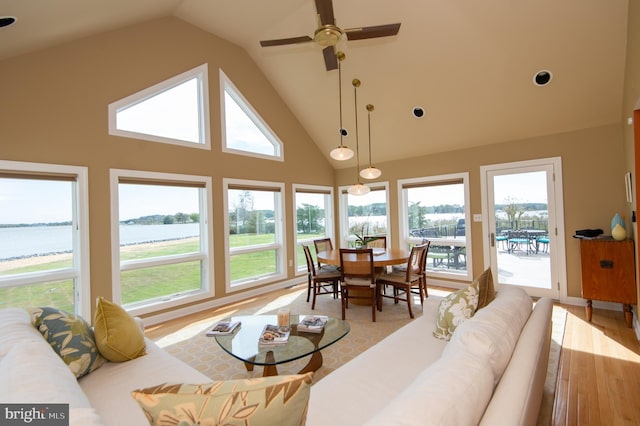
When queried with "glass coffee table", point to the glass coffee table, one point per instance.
{"points": [[243, 343]]}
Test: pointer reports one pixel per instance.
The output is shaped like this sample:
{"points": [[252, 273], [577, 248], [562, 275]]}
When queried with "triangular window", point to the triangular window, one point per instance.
{"points": [[175, 111], [244, 132]]}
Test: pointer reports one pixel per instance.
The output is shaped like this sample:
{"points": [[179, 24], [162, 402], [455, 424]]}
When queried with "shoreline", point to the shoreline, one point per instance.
{"points": [[36, 259]]}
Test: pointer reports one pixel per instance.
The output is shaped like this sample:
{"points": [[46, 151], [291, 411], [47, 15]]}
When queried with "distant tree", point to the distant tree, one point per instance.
{"points": [[308, 218], [195, 217], [514, 211], [169, 220]]}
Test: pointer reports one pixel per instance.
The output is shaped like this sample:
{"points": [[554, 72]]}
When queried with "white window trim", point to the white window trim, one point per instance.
{"points": [[344, 211], [328, 228], [206, 231], [403, 225], [278, 245], [248, 109], [201, 73], [80, 270]]}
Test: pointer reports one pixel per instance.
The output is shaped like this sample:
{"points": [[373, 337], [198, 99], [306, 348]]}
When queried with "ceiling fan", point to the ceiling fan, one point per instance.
{"points": [[328, 33]]}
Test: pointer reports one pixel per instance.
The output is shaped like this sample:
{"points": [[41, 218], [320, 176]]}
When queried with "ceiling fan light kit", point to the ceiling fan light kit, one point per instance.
{"points": [[328, 33]]}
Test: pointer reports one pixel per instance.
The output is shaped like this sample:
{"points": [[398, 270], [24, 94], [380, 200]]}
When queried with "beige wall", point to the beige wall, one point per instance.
{"points": [[593, 168], [54, 110]]}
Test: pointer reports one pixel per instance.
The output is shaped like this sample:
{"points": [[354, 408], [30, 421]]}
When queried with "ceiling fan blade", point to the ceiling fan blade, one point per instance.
{"points": [[325, 10], [372, 32], [330, 60], [283, 41]]}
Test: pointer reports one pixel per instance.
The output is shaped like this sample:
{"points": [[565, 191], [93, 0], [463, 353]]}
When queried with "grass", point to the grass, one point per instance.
{"points": [[146, 283]]}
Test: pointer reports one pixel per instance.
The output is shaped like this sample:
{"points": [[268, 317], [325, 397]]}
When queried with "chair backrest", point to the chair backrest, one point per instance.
{"points": [[423, 260], [417, 260], [310, 266], [376, 241], [357, 263], [322, 244]]}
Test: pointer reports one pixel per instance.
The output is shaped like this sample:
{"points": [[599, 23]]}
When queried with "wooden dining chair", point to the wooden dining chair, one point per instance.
{"points": [[320, 282], [405, 282], [376, 241], [324, 244], [358, 276]]}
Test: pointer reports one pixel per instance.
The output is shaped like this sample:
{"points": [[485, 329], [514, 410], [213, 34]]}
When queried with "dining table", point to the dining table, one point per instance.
{"points": [[381, 257]]}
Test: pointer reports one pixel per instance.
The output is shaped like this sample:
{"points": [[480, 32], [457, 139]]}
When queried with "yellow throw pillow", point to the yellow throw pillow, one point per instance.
{"points": [[275, 400], [486, 290], [118, 336]]}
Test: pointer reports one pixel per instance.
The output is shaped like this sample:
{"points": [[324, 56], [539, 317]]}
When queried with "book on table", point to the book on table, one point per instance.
{"points": [[274, 335], [312, 323], [223, 328]]}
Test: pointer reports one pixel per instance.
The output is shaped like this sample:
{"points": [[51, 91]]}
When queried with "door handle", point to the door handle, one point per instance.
{"points": [[493, 239]]}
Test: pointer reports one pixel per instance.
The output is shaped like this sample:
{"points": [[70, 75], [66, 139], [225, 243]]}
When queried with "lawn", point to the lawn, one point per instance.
{"points": [[145, 283]]}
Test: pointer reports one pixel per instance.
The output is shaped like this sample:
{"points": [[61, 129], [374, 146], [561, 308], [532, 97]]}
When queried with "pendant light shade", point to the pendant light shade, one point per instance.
{"points": [[358, 188], [370, 172], [341, 152]]}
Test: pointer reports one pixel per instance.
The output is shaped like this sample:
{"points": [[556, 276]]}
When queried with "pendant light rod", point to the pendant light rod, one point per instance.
{"points": [[370, 172], [358, 188], [342, 152]]}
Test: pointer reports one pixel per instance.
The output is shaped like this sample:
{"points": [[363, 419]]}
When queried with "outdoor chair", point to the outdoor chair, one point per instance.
{"points": [[320, 282], [517, 239], [440, 254]]}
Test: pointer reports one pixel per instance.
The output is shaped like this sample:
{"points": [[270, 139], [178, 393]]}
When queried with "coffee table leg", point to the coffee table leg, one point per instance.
{"points": [[270, 370], [314, 363]]}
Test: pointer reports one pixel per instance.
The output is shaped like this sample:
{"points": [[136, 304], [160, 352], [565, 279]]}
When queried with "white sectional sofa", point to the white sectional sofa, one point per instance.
{"points": [[491, 372]]}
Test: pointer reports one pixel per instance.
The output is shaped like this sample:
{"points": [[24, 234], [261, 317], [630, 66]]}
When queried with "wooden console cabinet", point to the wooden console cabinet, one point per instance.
{"points": [[608, 274]]}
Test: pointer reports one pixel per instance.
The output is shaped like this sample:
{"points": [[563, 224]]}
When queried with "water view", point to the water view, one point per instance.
{"points": [[30, 241]]}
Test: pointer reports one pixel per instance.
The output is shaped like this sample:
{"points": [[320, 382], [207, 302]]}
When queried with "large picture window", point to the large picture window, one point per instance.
{"points": [[364, 215], [255, 233], [44, 237], [313, 211], [436, 209], [162, 239]]}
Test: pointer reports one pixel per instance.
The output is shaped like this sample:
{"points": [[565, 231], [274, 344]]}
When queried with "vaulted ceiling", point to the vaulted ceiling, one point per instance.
{"points": [[469, 64]]}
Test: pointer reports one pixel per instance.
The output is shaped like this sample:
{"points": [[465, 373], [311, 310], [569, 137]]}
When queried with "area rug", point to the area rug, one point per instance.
{"points": [[201, 352]]}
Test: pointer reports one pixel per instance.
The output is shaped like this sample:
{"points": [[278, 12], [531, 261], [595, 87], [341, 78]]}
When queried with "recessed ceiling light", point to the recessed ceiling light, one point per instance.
{"points": [[5, 21], [542, 78], [418, 112]]}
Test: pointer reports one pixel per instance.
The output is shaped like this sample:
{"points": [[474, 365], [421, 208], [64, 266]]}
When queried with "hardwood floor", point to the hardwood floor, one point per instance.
{"points": [[599, 372]]}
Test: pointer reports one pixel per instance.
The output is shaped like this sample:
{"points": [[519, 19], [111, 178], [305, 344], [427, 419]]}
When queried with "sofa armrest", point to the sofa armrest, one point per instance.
{"points": [[140, 323], [518, 395]]}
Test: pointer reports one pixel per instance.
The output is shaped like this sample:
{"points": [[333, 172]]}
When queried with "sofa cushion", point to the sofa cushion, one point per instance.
{"points": [[16, 328], [452, 391], [455, 309], [118, 336], [33, 373], [276, 400], [486, 290], [70, 336], [493, 331]]}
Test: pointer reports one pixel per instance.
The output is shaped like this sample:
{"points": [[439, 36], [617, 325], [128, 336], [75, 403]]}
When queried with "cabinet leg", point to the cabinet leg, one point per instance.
{"points": [[628, 315], [589, 310]]}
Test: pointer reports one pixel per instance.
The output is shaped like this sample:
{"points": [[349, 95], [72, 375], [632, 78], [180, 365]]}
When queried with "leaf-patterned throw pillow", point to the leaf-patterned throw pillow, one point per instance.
{"points": [[275, 400], [70, 336], [455, 309]]}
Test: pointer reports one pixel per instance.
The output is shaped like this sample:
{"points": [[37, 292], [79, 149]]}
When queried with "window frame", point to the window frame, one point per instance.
{"points": [[227, 86], [344, 211], [279, 245], [201, 73], [329, 220], [79, 272], [407, 241], [206, 255]]}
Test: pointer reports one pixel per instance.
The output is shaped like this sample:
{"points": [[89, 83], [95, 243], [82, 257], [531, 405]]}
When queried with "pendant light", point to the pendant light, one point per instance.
{"points": [[342, 152], [358, 188], [370, 172]]}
